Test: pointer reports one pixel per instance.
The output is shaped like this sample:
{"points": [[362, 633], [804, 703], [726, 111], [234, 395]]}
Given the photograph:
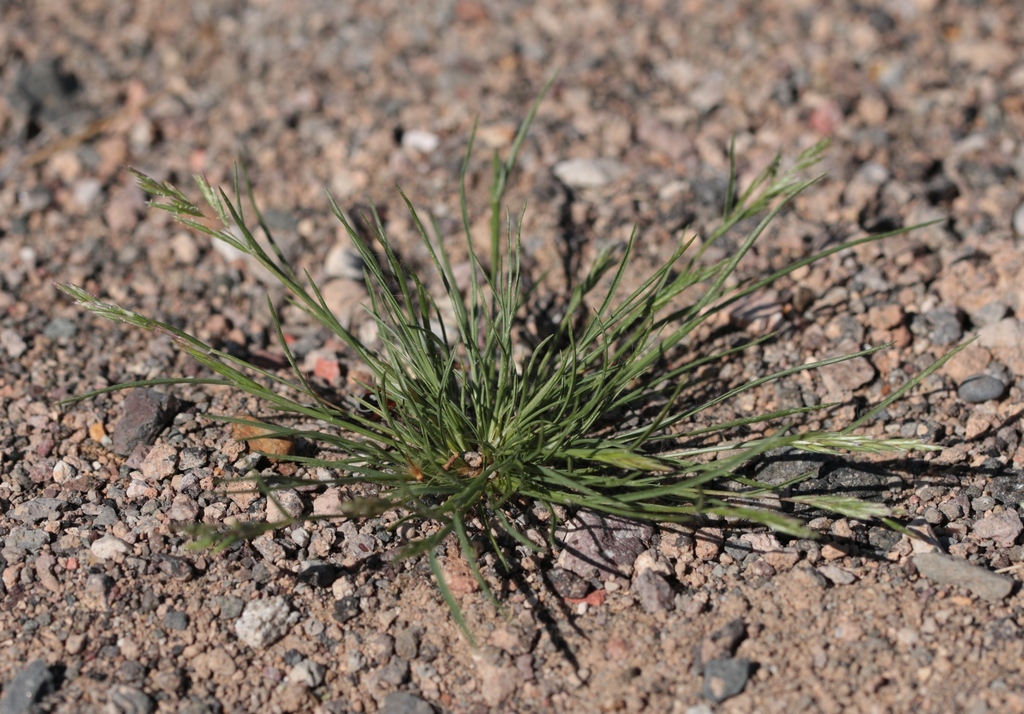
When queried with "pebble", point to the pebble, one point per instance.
{"points": [[980, 388], [344, 262], [176, 620], [26, 538], [263, 622], [38, 509], [160, 463], [346, 608], [943, 326], [85, 191], [725, 678], [12, 343], [989, 314], [568, 584], [64, 472], [109, 547], [308, 673], [588, 173], [406, 703], [129, 700], [847, 376], [419, 140], [28, 687], [653, 591], [947, 570], [1018, 220], [1002, 527], [839, 576], [146, 412], [597, 544]]}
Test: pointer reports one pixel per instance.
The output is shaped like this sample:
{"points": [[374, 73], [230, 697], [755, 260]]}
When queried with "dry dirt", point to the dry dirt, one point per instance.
{"points": [[104, 608]]}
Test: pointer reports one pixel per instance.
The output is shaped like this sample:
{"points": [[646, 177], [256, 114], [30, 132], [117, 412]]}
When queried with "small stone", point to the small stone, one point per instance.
{"points": [[989, 314], [722, 643], [25, 538], [980, 388], [175, 620], [60, 328], [27, 688], [1002, 527], [419, 140], [346, 608], [947, 570], [847, 376], [725, 678], [406, 703], [261, 439], [782, 559], [653, 591], [185, 249], [288, 506], [64, 472], [943, 326], [129, 700], [982, 503], [568, 584], [837, 575], [160, 463], [344, 262], [307, 673], [146, 412], [328, 503], [12, 343], [1018, 220], [85, 191], [97, 433], [263, 622], [109, 547], [38, 509], [602, 545], [588, 173]]}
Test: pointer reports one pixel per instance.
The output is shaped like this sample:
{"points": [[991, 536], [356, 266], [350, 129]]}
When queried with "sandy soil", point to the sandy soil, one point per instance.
{"points": [[104, 608]]}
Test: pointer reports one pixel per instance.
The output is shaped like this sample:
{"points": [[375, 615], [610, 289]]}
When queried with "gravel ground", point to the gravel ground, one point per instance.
{"points": [[104, 608]]}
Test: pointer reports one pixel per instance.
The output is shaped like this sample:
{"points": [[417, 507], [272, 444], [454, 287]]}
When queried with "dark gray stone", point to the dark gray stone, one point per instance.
{"points": [[27, 688], [406, 703], [347, 608], [38, 509], [175, 620], [725, 678], [980, 388], [942, 326], [146, 412]]}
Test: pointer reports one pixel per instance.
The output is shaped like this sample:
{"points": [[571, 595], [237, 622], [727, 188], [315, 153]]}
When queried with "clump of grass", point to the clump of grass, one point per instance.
{"points": [[457, 425]]}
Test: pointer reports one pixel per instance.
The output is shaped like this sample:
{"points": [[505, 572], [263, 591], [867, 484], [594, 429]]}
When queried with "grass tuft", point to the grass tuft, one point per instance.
{"points": [[461, 425]]}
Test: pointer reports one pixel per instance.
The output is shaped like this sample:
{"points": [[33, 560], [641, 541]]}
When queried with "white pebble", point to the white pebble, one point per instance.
{"points": [[63, 471], [263, 622], [109, 547], [420, 140], [1018, 221]]}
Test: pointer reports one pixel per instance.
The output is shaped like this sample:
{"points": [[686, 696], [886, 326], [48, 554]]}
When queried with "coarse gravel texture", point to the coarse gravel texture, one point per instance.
{"points": [[105, 609]]}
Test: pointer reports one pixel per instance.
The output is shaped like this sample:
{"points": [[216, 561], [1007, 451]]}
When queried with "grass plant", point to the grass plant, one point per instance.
{"points": [[458, 424]]}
